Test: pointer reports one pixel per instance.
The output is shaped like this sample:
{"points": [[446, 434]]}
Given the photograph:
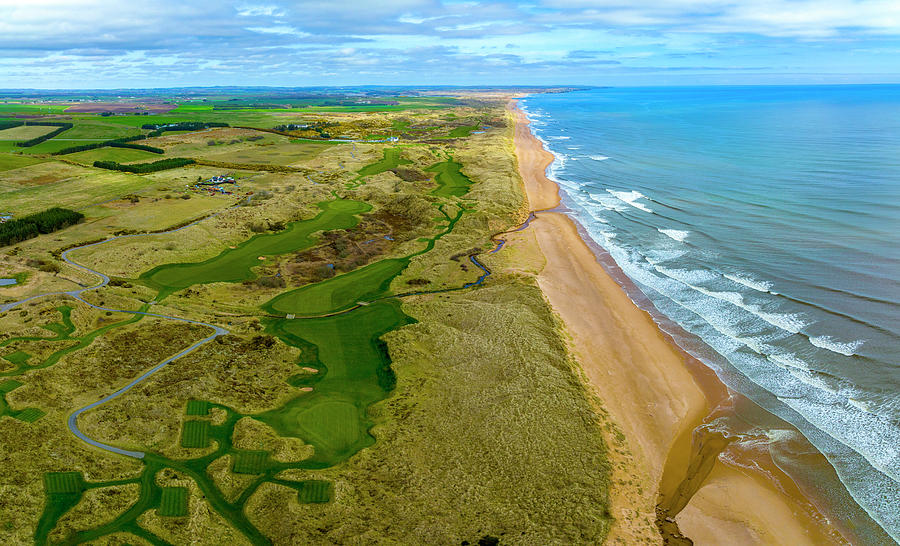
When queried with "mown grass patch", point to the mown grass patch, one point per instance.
{"points": [[28, 415], [173, 502], [17, 357], [314, 491], [195, 434], [197, 408], [250, 462]]}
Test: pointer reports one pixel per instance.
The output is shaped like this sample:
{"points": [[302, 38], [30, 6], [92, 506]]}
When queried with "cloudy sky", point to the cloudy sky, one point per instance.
{"points": [[163, 43]]}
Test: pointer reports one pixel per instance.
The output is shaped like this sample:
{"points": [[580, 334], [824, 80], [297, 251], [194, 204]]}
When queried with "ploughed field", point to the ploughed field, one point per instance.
{"points": [[344, 276]]}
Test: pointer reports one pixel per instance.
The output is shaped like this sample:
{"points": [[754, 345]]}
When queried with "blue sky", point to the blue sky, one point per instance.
{"points": [[165, 43]]}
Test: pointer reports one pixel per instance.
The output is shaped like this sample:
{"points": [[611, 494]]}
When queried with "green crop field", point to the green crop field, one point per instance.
{"points": [[9, 162], [173, 502], [119, 155], [195, 434], [95, 130], [25, 132]]}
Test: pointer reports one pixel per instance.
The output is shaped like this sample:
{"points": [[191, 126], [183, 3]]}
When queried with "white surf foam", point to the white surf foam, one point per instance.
{"points": [[675, 234], [787, 360], [760, 286], [631, 197], [559, 137], [845, 348], [598, 157]]}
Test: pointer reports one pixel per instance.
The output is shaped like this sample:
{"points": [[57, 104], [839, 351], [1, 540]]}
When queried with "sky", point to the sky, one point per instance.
{"points": [[174, 43]]}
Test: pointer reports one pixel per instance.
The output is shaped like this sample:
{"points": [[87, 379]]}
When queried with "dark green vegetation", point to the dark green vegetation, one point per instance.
{"points": [[143, 168], [48, 221], [37, 140]]}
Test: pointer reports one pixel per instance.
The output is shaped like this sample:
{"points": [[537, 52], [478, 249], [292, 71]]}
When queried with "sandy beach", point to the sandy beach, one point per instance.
{"points": [[656, 396]]}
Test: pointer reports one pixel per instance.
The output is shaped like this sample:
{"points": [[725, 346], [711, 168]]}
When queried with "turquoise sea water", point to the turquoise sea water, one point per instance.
{"points": [[765, 221]]}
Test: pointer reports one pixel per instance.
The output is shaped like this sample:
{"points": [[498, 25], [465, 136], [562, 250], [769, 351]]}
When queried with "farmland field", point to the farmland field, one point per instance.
{"points": [[24, 132], [303, 338]]}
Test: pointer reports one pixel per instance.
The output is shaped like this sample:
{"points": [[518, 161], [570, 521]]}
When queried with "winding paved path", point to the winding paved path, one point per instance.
{"points": [[104, 280]]}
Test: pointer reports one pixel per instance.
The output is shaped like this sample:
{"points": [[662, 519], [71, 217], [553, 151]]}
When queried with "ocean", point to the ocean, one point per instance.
{"points": [[765, 222]]}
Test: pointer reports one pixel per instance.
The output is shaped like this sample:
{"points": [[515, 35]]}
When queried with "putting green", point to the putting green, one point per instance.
{"points": [[355, 372], [235, 265]]}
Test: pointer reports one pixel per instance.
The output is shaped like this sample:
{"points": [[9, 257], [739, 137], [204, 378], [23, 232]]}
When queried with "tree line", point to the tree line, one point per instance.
{"points": [[33, 225], [125, 142], [157, 130], [142, 168], [62, 126]]}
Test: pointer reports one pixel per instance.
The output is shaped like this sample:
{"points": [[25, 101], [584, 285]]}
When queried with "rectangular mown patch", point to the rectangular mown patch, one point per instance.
{"points": [[9, 385], [195, 434], [198, 408], [63, 483], [29, 415], [314, 491], [250, 462], [18, 357], [174, 502]]}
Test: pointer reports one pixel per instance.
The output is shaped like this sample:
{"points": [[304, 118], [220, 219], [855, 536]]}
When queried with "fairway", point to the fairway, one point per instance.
{"points": [[234, 265], [451, 182], [391, 160], [357, 374], [340, 292]]}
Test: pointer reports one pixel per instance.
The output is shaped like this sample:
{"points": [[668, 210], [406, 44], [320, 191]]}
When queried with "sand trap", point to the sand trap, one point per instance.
{"points": [[310, 370], [262, 257]]}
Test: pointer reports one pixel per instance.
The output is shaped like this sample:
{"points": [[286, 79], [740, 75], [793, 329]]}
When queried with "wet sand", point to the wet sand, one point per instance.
{"points": [[657, 396]]}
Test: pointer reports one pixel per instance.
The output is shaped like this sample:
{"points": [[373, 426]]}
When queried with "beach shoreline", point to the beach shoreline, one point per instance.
{"points": [[668, 406]]}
